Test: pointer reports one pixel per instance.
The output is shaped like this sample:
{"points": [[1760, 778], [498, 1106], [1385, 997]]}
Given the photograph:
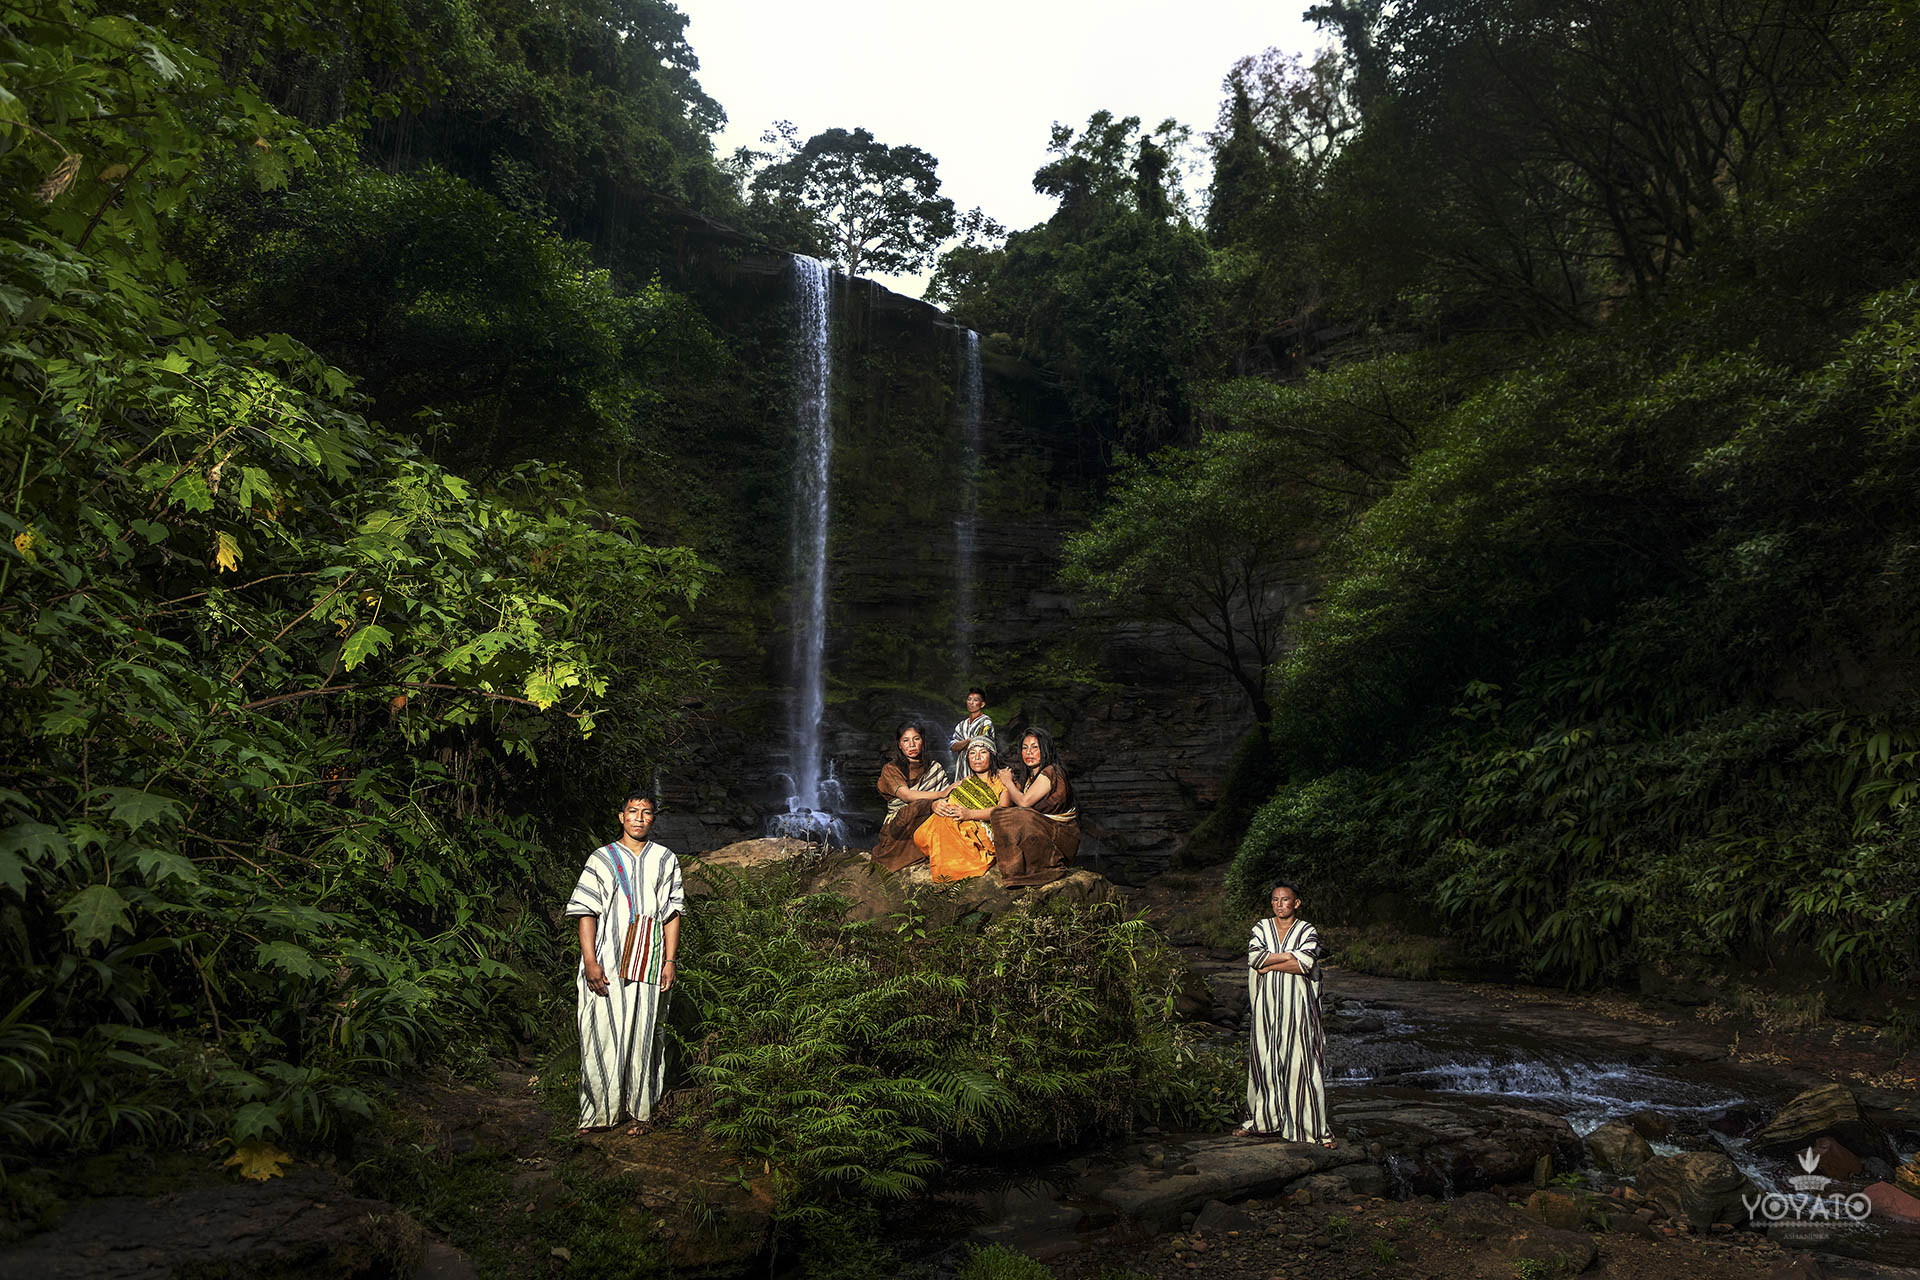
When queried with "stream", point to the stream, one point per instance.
{"points": [[1411, 1046]]}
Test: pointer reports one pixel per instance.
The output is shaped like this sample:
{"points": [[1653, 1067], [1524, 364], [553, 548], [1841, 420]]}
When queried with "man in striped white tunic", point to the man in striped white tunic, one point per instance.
{"points": [[628, 902], [1286, 1048]]}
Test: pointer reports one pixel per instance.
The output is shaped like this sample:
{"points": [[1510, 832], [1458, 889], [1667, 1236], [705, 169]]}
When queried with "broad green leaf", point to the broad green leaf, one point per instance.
{"points": [[94, 913], [68, 715], [159, 864], [363, 644], [289, 958], [138, 808], [35, 841], [253, 1121]]}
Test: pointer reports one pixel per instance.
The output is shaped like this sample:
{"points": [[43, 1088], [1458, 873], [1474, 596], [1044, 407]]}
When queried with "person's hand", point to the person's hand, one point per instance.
{"points": [[596, 977], [946, 809], [666, 975]]}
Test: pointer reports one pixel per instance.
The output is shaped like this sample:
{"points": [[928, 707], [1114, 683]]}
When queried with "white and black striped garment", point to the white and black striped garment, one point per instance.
{"points": [[1286, 1049], [622, 1062]]}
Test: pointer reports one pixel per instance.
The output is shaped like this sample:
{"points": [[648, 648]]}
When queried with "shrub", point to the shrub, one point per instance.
{"points": [[849, 1056]]}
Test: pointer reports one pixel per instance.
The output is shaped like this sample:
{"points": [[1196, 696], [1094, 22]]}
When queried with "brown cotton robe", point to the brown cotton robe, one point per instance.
{"points": [[1036, 845], [894, 848]]}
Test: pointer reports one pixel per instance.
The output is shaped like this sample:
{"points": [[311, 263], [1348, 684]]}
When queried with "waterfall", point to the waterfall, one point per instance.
{"points": [[967, 526], [812, 464]]}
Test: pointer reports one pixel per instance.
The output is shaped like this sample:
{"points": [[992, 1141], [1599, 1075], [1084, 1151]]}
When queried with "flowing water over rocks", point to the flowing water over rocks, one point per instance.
{"points": [[1446, 1091]]}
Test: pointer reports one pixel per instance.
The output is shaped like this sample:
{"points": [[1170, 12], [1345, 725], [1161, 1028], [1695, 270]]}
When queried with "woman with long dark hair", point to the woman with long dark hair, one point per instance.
{"points": [[1037, 832], [912, 781]]}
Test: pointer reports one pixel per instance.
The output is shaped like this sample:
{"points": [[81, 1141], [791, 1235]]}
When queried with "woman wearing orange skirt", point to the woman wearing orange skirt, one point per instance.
{"points": [[957, 839]]}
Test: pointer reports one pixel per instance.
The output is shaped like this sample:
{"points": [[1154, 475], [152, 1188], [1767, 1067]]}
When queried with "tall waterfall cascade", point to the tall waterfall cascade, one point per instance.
{"points": [[816, 792], [966, 526]]}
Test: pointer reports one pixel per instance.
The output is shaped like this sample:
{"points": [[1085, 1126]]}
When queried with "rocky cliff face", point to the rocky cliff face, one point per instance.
{"points": [[1145, 735]]}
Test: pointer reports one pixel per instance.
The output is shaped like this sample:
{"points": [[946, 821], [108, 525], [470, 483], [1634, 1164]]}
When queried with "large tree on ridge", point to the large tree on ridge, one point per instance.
{"points": [[878, 208]]}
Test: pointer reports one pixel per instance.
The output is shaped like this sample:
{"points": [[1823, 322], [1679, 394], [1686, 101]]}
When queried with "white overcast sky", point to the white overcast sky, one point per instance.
{"points": [[978, 85]]}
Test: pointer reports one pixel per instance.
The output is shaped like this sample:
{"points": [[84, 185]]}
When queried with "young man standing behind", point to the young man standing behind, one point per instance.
{"points": [[977, 725]]}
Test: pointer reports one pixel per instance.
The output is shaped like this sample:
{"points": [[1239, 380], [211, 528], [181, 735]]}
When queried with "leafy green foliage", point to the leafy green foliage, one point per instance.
{"points": [[997, 1262], [585, 113], [473, 327], [1113, 292], [847, 1056], [1209, 539], [1614, 665], [873, 207], [278, 688]]}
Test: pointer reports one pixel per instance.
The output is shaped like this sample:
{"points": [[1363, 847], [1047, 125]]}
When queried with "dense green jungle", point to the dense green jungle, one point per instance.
{"points": [[1523, 422]]}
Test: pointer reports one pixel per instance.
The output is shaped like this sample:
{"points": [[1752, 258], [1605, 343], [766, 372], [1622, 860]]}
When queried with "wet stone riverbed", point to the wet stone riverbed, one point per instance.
{"points": [[1442, 1091]]}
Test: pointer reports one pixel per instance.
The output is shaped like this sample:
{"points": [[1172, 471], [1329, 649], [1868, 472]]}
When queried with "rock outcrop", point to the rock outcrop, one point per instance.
{"points": [[1699, 1188], [874, 893], [1484, 1218], [1616, 1147], [1443, 1146], [1832, 1111], [305, 1224]]}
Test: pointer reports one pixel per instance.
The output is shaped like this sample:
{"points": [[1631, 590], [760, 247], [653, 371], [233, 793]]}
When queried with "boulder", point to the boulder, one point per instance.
{"points": [[1834, 1160], [1217, 1218], [1194, 1001], [1907, 1176], [1575, 1210], [1442, 1145], [1485, 1218], [1830, 1111], [873, 893], [1365, 1179], [1224, 1168], [1803, 1267], [770, 851], [1616, 1147], [1651, 1125], [306, 1223], [1555, 1209], [1699, 1188], [1891, 1204], [1326, 1188]]}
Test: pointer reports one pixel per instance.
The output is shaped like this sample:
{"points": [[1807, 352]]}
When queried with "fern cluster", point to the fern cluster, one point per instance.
{"points": [[849, 1058]]}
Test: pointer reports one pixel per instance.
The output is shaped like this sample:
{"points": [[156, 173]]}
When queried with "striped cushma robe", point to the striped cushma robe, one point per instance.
{"points": [[1286, 1049], [622, 1059]]}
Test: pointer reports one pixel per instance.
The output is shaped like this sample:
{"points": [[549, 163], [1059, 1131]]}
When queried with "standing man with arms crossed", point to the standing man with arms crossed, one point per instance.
{"points": [[628, 902]]}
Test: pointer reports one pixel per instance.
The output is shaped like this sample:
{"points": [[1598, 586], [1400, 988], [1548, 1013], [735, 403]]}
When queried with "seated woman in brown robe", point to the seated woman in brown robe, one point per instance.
{"points": [[911, 781], [1037, 832]]}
